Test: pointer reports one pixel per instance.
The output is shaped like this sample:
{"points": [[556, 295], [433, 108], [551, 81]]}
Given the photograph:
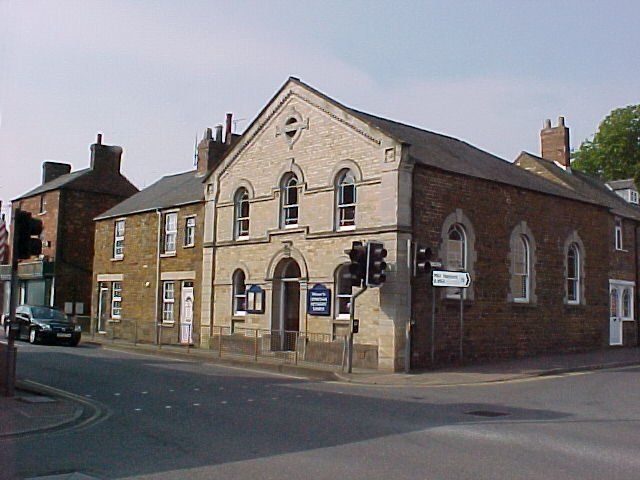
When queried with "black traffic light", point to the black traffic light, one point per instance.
{"points": [[358, 265], [376, 265], [423, 259], [27, 231]]}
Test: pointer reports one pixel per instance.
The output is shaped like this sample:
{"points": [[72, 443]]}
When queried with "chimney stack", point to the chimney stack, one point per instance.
{"points": [[53, 170], [227, 137], [554, 142], [105, 158]]}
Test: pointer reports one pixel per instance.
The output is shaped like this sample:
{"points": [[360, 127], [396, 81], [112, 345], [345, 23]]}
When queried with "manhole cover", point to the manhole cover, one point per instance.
{"points": [[486, 413]]}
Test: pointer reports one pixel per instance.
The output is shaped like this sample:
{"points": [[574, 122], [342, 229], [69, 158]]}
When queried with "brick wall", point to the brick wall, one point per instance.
{"points": [[495, 327], [138, 270]]}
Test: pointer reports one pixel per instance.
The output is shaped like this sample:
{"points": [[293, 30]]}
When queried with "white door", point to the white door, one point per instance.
{"points": [[615, 315], [186, 313]]}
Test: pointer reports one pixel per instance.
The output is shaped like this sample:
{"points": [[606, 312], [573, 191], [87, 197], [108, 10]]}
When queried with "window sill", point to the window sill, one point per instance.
{"points": [[117, 259], [239, 315], [346, 228], [342, 318], [167, 324], [114, 320], [622, 250], [168, 255], [189, 246], [242, 238], [292, 225], [41, 213], [628, 319]]}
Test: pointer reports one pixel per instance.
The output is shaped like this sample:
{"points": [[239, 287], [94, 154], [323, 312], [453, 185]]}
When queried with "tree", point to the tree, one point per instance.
{"points": [[614, 151]]}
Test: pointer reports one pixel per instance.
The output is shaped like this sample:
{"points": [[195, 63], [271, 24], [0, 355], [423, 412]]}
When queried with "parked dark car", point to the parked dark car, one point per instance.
{"points": [[43, 324]]}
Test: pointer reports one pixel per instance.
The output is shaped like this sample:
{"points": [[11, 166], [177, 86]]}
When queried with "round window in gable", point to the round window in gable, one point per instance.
{"points": [[291, 132]]}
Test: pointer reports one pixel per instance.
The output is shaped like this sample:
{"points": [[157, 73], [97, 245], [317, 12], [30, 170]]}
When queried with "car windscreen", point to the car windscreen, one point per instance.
{"points": [[48, 314]]}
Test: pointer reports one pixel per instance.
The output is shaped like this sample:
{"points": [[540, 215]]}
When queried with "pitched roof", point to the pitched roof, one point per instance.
{"points": [[622, 184], [453, 155], [170, 191], [60, 182], [584, 185]]}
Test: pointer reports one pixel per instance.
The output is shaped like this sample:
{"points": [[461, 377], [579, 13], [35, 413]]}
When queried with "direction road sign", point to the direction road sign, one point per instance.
{"points": [[444, 278]]}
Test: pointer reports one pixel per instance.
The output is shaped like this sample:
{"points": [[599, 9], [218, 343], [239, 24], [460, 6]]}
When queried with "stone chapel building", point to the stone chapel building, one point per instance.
{"points": [[309, 176]]}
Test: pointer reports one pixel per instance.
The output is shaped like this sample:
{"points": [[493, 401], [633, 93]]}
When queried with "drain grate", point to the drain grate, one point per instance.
{"points": [[486, 413]]}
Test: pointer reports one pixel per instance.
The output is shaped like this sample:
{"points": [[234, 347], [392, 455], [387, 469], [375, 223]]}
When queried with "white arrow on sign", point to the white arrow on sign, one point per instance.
{"points": [[445, 278]]}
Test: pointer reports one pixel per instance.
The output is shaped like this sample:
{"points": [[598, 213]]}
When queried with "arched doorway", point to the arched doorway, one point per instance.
{"points": [[285, 316]]}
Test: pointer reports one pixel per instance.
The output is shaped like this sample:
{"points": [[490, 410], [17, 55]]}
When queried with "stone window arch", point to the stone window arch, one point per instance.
{"points": [[346, 199], [241, 213], [289, 204], [457, 249], [522, 265], [343, 289], [574, 270], [239, 293]]}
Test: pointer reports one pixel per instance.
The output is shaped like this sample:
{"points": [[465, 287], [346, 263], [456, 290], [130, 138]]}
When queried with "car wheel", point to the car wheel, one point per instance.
{"points": [[33, 336], [74, 343], [6, 331]]}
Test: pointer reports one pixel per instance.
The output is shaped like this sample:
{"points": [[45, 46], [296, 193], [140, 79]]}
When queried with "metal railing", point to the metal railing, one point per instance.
{"points": [[243, 343], [277, 346]]}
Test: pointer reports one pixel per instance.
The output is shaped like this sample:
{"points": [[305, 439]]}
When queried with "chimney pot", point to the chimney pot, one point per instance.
{"points": [[218, 133], [208, 134], [561, 121], [99, 140], [547, 123]]}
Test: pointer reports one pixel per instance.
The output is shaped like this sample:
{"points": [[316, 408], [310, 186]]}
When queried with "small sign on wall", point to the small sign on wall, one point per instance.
{"points": [[255, 299], [68, 308], [319, 300]]}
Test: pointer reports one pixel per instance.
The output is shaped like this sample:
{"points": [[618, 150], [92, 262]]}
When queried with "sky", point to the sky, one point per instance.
{"points": [[151, 75]]}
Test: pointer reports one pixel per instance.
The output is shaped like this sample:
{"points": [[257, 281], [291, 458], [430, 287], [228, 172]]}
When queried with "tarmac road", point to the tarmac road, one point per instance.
{"points": [[173, 419]]}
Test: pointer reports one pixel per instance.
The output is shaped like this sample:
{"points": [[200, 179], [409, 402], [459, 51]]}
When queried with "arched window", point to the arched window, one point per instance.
{"points": [[522, 268], [239, 293], [456, 248], [343, 291], [626, 304], [289, 194], [345, 200], [573, 274], [241, 207]]}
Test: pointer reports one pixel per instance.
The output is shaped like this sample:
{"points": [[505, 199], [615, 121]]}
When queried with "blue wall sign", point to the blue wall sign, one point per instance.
{"points": [[319, 300]]}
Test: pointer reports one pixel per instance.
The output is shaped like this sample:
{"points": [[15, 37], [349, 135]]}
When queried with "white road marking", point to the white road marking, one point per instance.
{"points": [[167, 406], [224, 402], [116, 394], [138, 409], [196, 389], [144, 393], [196, 404], [249, 399]]}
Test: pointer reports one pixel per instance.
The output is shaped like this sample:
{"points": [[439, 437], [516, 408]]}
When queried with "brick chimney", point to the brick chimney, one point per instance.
{"points": [[105, 158], [210, 150], [53, 170], [554, 142]]}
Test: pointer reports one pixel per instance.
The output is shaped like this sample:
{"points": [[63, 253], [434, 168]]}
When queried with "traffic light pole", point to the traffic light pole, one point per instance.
{"points": [[352, 314]]}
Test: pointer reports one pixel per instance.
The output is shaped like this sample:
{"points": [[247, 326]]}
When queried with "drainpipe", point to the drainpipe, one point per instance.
{"points": [[635, 290], [158, 317]]}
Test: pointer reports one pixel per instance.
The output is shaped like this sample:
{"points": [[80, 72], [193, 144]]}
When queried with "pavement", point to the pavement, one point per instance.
{"points": [[37, 408]]}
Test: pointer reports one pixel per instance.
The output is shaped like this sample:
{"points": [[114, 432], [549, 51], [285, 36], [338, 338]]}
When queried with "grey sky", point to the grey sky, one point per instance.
{"points": [[150, 74]]}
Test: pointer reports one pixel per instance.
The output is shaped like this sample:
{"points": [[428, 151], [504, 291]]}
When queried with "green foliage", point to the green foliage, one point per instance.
{"points": [[614, 152]]}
